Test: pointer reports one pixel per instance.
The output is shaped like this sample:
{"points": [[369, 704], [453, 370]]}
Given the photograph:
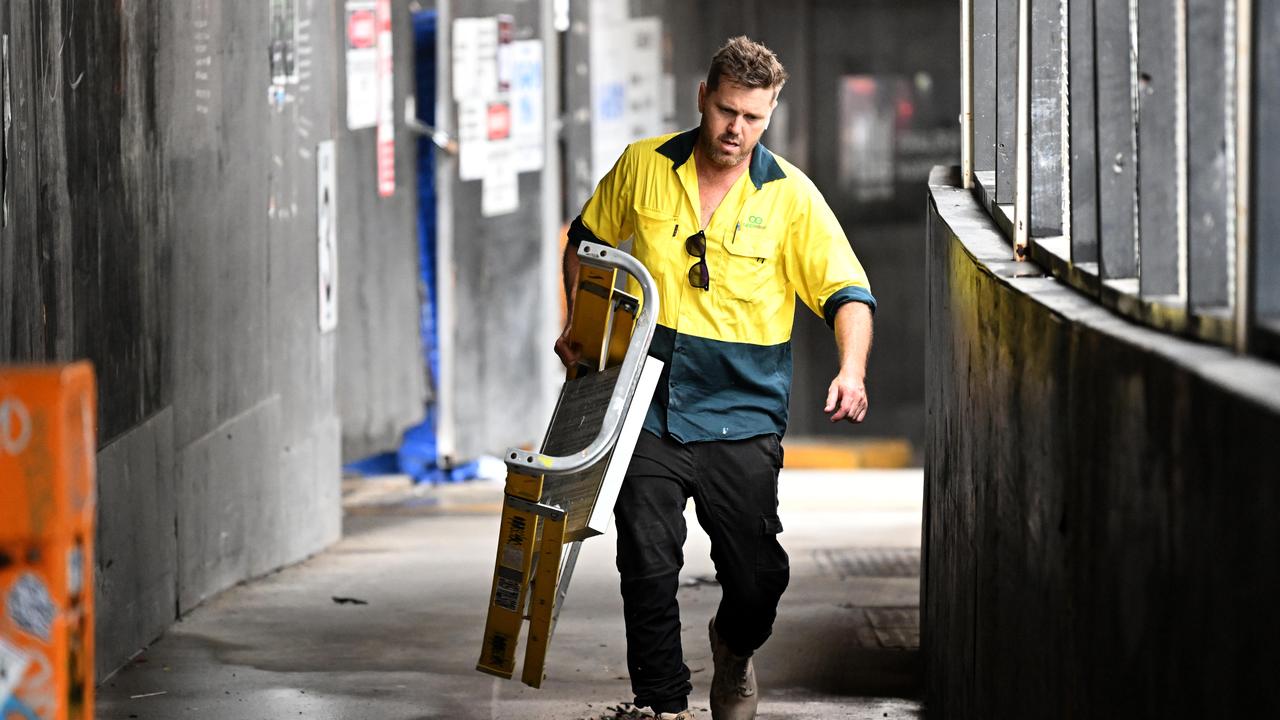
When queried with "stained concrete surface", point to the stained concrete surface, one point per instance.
{"points": [[280, 647], [1100, 527]]}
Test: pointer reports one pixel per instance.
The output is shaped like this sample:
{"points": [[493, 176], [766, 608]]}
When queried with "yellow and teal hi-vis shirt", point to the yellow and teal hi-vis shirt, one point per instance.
{"points": [[727, 348]]}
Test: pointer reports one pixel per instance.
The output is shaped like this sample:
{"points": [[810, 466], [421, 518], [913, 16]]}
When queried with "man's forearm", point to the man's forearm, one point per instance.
{"points": [[570, 266], [853, 338]]}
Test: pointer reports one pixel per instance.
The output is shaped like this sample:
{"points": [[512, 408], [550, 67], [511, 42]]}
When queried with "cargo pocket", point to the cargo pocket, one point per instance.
{"points": [[773, 568], [771, 556]]}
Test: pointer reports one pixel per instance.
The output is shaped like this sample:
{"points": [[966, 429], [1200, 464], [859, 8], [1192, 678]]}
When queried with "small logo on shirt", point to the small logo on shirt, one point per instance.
{"points": [[755, 222]]}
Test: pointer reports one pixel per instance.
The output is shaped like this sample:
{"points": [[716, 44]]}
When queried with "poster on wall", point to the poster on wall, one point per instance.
{"points": [[497, 85], [475, 58], [500, 187], [626, 83], [887, 144], [327, 234], [362, 64], [475, 84], [868, 115], [644, 80], [526, 104], [386, 140]]}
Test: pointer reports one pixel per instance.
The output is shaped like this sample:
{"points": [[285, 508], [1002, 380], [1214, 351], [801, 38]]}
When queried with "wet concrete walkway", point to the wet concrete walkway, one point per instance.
{"points": [[416, 567]]}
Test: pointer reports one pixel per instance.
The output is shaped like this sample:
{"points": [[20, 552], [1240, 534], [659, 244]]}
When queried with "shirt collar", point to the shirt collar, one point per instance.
{"points": [[764, 166]]}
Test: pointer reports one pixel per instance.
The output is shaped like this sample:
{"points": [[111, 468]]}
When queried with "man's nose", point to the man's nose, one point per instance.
{"points": [[735, 125]]}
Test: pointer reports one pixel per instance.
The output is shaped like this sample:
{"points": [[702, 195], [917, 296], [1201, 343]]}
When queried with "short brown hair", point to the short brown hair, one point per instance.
{"points": [[747, 63]]}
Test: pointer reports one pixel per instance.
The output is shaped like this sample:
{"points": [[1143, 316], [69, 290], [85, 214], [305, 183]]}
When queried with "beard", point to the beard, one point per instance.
{"points": [[710, 145]]}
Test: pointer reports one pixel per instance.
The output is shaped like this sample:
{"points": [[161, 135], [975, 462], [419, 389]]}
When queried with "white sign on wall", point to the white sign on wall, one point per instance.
{"points": [[362, 64], [475, 83], [475, 58], [473, 145], [500, 190], [327, 234]]}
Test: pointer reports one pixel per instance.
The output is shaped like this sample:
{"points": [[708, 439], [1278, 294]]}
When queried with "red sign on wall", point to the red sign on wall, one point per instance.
{"points": [[386, 104], [499, 121], [362, 30]]}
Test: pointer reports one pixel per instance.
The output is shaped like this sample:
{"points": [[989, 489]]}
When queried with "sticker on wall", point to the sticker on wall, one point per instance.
{"points": [[284, 49], [327, 234], [31, 607], [13, 666], [362, 64]]}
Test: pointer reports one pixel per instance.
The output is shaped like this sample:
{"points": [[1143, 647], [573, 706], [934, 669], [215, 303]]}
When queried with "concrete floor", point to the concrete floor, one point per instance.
{"points": [[845, 644]]}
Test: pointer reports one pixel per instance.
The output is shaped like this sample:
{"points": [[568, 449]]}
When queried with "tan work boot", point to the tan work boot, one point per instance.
{"points": [[682, 715], [733, 689]]}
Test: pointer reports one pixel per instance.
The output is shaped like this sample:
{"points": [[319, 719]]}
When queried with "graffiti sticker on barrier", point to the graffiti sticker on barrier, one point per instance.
{"points": [[31, 607], [15, 426], [13, 665]]}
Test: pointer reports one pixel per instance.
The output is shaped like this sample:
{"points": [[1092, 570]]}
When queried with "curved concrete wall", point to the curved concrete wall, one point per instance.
{"points": [[1100, 526]]}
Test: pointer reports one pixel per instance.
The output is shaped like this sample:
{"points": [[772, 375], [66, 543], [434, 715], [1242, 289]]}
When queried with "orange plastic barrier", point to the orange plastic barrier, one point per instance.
{"points": [[48, 431]]}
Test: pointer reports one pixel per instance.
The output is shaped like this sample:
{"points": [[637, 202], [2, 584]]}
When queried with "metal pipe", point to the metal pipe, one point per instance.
{"points": [[1243, 182], [1022, 178], [966, 93]]}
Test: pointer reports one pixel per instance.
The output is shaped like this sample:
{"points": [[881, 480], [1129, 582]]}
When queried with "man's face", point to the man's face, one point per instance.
{"points": [[733, 119]]}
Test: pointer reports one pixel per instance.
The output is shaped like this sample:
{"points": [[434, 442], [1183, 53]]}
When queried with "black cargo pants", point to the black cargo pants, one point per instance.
{"points": [[734, 486]]}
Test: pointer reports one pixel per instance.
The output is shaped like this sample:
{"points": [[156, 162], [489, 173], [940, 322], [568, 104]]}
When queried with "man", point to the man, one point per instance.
{"points": [[731, 234]]}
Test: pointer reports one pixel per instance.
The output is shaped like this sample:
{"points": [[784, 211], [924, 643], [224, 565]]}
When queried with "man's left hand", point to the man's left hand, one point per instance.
{"points": [[847, 399]]}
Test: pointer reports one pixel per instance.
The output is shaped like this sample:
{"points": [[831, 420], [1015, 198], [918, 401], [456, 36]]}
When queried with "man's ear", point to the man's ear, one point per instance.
{"points": [[702, 97]]}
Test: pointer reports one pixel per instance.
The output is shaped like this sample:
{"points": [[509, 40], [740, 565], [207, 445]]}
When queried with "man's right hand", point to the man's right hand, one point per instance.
{"points": [[569, 352]]}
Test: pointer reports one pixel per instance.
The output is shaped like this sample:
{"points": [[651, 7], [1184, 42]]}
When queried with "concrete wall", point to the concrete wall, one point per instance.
{"points": [[161, 222], [1099, 536]]}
